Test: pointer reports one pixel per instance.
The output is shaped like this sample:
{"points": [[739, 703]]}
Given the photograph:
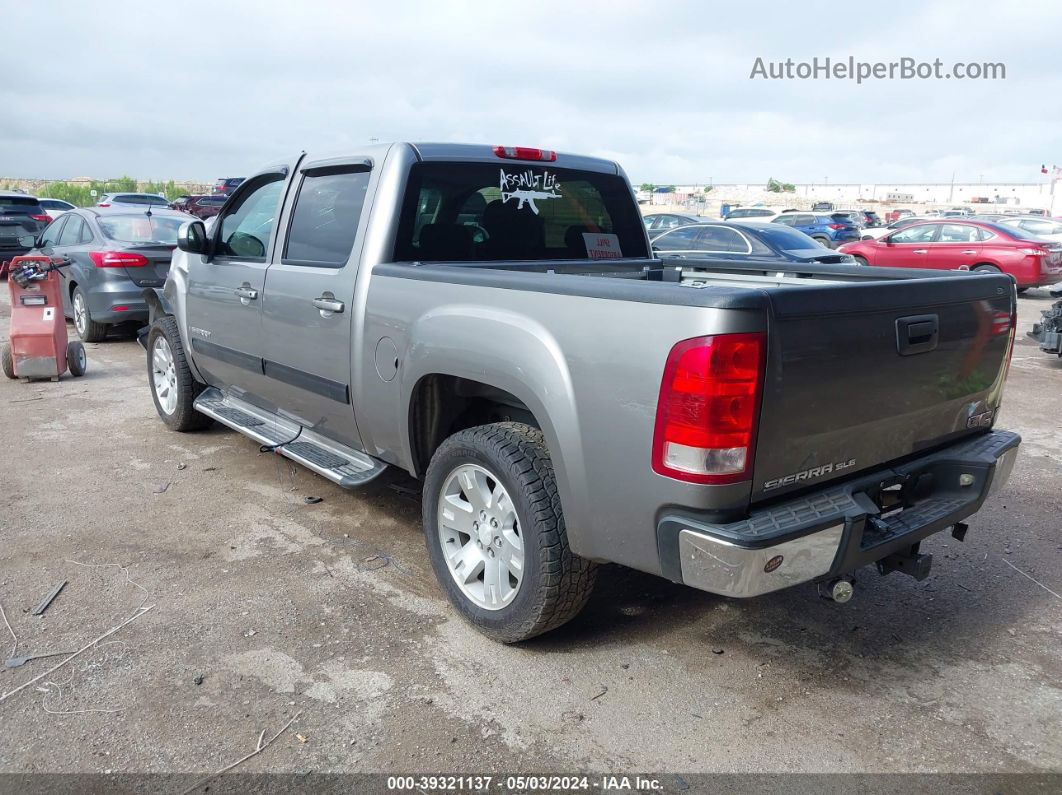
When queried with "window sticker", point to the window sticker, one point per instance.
{"points": [[602, 245], [527, 187]]}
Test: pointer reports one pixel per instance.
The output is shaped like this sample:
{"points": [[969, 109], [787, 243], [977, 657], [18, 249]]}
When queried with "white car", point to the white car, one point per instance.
{"points": [[53, 208], [1046, 228]]}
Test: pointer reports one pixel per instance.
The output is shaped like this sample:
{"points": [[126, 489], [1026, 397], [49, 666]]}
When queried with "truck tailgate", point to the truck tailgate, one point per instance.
{"points": [[862, 374]]}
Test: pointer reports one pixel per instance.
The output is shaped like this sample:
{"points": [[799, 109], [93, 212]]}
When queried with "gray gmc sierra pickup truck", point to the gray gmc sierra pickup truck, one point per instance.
{"points": [[492, 320]]}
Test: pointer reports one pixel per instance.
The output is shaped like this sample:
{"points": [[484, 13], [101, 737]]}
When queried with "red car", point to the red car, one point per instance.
{"points": [[956, 244], [203, 207]]}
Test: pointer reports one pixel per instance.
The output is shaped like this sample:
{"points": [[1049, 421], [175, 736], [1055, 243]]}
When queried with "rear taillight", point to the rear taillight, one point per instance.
{"points": [[42, 218], [1035, 252], [106, 204], [524, 153], [118, 259], [707, 412], [1013, 328], [838, 226]]}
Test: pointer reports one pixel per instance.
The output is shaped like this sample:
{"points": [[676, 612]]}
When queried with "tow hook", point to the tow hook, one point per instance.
{"points": [[840, 590]]}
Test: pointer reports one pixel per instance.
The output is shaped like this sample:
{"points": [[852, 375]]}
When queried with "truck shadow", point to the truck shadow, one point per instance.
{"points": [[970, 602]]}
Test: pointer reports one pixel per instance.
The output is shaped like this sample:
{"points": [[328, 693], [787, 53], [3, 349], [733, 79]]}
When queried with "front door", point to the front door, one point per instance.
{"points": [[224, 297], [906, 248], [309, 298]]}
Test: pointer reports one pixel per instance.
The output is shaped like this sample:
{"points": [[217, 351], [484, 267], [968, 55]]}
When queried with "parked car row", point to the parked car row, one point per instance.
{"points": [[968, 244]]}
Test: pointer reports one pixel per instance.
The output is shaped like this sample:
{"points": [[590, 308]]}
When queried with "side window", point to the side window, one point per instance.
{"points": [[957, 233], [719, 238], [325, 219], [71, 234], [680, 240], [244, 231], [915, 234], [51, 234], [788, 219]]}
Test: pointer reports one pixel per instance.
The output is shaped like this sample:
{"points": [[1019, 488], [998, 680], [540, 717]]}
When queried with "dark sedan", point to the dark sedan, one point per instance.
{"points": [[660, 222], [744, 240], [114, 255], [20, 215]]}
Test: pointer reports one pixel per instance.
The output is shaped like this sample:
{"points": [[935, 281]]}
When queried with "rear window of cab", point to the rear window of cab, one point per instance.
{"points": [[484, 212]]}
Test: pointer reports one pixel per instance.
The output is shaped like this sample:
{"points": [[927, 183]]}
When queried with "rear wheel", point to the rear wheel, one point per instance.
{"points": [[173, 388], [87, 328], [496, 535], [7, 361], [825, 241], [76, 361], [985, 268]]}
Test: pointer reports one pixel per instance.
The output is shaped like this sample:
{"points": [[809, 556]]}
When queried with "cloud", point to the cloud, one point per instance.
{"points": [[200, 90]]}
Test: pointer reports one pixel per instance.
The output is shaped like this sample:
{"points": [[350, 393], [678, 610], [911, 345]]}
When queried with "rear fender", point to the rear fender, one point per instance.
{"points": [[512, 352]]}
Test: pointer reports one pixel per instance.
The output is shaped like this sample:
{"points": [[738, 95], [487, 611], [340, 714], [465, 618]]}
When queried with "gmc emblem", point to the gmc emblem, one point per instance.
{"points": [[982, 420]]}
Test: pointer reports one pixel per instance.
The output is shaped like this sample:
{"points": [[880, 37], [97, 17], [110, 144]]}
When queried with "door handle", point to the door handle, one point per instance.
{"points": [[969, 251], [326, 304], [246, 293], [920, 251]]}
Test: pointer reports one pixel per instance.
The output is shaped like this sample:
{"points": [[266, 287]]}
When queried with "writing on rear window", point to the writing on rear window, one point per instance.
{"points": [[527, 187]]}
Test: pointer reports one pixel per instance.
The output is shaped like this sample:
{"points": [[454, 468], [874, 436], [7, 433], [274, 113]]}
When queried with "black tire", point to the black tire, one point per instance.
{"points": [[862, 261], [1023, 290], [184, 417], [6, 361], [825, 241], [76, 360], [88, 329], [985, 268], [556, 583]]}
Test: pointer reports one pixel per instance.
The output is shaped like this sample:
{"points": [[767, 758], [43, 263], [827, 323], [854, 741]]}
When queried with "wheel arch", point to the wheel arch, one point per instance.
{"points": [[465, 362], [157, 302]]}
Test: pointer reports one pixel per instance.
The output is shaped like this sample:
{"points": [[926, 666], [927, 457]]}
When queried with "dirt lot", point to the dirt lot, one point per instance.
{"points": [[266, 607]]}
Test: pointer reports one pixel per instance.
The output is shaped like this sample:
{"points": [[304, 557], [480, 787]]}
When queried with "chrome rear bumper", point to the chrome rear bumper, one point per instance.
{"points": [[841, 528]]}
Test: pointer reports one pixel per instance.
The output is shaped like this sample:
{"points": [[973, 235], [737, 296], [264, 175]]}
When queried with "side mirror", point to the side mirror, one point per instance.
{"points": [[867, 237], [29, 241], [191, 237]]}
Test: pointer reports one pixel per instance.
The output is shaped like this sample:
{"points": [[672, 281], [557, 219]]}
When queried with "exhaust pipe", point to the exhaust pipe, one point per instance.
{"points": [[840, 590]]}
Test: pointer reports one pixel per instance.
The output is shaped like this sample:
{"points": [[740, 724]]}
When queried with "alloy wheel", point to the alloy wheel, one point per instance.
{"points": [[480, 535]]}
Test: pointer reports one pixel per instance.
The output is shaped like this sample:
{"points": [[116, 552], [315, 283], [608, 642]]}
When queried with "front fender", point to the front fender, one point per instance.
{"points": [[513, 352]]}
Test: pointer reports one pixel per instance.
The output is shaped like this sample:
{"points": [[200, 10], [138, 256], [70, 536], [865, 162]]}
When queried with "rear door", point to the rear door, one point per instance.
{"points": [[955, 245], [861, 374], [309, 294], [224, 298]]}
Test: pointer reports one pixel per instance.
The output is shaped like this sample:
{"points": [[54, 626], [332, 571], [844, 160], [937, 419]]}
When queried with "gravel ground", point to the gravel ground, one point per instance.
{"points": [[265, 608]]}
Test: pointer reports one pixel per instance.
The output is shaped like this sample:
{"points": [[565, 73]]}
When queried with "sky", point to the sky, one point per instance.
{"points": [[189, 90]]}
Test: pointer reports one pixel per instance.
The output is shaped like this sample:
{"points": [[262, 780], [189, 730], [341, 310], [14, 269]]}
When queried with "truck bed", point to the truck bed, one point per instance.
{"points": [[843, 392]]}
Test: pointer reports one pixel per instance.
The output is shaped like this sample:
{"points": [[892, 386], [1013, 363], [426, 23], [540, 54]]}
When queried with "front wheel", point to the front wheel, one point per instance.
{"points": [[496, 535], [173, 388], [76, 361], [861, 261], [6, 361]]}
